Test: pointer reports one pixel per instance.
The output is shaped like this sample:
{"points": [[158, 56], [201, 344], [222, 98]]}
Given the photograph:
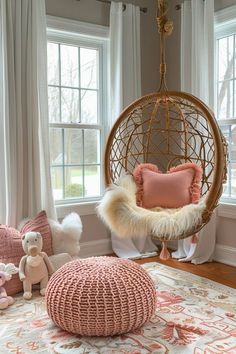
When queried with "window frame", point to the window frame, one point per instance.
{"points": [[65, 31], [224, 26]]}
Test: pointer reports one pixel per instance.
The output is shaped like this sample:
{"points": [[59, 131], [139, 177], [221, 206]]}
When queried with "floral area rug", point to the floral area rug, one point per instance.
{"points": [[193, 315]]}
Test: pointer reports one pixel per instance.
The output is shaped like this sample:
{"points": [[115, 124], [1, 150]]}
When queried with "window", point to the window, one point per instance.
{"points": [[77, 112], [225, 44]]}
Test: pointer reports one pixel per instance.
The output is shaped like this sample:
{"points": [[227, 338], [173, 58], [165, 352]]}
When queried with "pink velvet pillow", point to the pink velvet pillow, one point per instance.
{"points": [[11, 249], [174, 189]]}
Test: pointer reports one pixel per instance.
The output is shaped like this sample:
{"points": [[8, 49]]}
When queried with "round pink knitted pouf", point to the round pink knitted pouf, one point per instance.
{"points": [[100, 296]]}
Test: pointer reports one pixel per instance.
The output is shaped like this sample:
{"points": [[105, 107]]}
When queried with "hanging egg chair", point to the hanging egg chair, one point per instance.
{"points": [[165, 128]]}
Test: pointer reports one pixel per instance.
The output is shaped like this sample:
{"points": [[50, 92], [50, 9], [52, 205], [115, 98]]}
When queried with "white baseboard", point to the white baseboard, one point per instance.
{"points": [[95, 248], [225, 254]]}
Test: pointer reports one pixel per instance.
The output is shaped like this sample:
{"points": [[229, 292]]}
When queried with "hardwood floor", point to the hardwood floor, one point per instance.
{"points": [[218, 272]]}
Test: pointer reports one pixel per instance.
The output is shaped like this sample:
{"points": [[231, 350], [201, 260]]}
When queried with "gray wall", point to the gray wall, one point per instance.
{"points": [[93, 229], [226, 231]]}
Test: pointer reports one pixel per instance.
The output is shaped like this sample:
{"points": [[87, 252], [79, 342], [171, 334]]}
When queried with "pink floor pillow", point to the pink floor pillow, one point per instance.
{"points": [[100, 296]]}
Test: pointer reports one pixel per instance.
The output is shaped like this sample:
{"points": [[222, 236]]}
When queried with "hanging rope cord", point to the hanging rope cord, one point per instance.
{"points": [[165, 28]]}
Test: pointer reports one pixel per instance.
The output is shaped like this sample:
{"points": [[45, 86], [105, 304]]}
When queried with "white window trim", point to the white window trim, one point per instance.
{"points": [[83, 209], [225, 26], [68, 29], [77, 27]]}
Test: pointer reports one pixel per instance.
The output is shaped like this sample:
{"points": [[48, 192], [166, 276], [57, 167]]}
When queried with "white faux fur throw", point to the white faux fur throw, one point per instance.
{"points": [[120, 213]]}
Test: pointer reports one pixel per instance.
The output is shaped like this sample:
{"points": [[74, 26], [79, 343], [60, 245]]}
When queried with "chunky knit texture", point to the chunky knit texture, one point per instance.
{"points": [[100, 296]]}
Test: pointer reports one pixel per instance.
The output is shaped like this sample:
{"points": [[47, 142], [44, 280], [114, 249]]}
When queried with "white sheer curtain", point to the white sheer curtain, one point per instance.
{"points": [[125, 57], [25, 182], [197, 49], [197, 77], [125, 81]]}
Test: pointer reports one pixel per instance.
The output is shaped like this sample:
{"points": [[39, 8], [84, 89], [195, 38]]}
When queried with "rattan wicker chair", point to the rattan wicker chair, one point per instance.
{"points": [[167, 129]]}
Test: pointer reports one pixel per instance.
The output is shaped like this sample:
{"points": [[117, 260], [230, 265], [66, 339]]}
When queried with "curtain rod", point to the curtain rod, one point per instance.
{"points": [[142, 9]]}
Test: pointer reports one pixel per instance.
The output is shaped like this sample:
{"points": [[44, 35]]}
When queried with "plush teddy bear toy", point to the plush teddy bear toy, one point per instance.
{"points": [[35, 267], [6, 271]]}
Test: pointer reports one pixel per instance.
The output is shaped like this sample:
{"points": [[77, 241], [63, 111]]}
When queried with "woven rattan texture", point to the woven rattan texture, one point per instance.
{"points": [[100, 296], [168, 129]]}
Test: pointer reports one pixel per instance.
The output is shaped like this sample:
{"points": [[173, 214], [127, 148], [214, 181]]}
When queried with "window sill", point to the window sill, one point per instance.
{"points": [[86, 208], [227, 210]]}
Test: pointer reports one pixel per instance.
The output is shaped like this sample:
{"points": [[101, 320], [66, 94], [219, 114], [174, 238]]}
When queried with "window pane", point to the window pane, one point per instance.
{"points": [[225, 129], [73, 182], [225, 100], [73, 146], [233, 143], [89, 68], [70, 105], [89, 106], [57, 182], [73, 94], [91, 146], [225, 58], [92, 181], [233, 180], [53, 104], [229, 189], [56, 151], [69, 66], [226, 190], [53, 63]]}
